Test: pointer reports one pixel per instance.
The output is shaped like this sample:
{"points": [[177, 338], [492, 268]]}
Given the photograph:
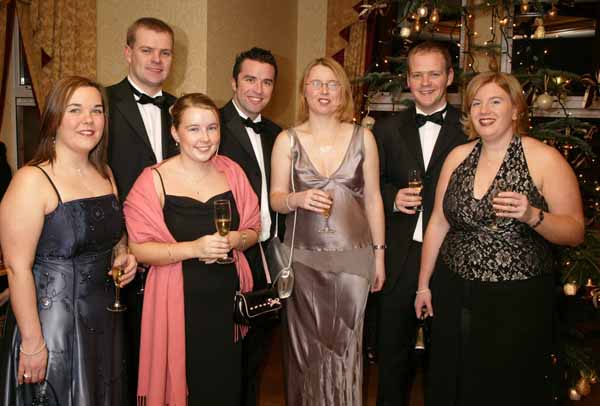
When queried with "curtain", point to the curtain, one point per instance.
{"points": [[59, 38], [347, 41], [7, 11]]}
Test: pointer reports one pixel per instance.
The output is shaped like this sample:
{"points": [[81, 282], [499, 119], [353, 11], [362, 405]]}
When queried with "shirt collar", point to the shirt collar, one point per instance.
{"points": [[258, 118], [419, 111], [132, 83]]}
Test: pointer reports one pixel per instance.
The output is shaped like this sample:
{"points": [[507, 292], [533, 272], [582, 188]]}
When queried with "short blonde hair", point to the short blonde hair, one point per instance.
{"points": [[506, 82], [345, 111]]}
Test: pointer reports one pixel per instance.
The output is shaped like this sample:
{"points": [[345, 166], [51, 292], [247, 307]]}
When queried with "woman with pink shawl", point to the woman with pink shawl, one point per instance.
{"points": [[190, 351]]}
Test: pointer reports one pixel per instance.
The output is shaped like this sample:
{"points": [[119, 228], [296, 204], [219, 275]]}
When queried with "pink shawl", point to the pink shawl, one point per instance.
{"points": [[162, 374]]}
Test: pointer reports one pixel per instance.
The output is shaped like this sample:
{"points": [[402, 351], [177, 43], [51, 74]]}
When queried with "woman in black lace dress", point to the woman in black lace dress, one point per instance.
{"points": [[501, 201], [59, 221]]}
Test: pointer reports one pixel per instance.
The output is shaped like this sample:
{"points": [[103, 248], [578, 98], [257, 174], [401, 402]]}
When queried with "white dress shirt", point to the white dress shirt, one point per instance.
{"points": [[265, 215], [152, 118], [428, 134]]}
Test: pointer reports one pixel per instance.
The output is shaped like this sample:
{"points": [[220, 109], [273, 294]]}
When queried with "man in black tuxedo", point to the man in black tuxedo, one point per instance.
{"points": [[140, 136], [248, 138], [420, 138]]}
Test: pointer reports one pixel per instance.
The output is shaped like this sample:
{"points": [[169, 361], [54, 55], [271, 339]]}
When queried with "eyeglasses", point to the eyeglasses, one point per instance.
{"points": [[331, 85]]}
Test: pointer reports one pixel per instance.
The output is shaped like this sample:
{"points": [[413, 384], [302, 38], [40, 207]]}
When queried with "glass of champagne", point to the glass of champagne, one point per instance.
{"points": [[416, 184], [326, 214], [499, 186], [116, 271], [223, 224]]}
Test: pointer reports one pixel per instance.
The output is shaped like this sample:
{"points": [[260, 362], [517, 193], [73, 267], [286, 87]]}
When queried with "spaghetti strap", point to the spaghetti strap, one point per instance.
{"points": [[161, 181], [52, 183]]}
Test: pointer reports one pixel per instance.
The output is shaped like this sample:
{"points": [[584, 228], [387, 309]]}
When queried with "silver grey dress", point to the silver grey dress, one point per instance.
{"points": [[323, 324]]}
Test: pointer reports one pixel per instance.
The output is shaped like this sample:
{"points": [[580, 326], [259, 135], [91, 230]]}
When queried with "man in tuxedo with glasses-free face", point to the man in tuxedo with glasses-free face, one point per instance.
{"points": [[247, 137], [418, 138], [140, 136]]}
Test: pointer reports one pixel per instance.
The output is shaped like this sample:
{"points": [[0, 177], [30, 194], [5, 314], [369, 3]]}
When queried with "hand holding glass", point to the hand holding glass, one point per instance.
{"points": [[326, 214], [223, 224], [416, 184], [116, 272]]}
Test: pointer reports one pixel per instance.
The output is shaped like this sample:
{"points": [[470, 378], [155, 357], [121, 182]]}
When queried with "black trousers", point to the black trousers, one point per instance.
{"points": [[134, 299], [256, 344], [396, 334]]}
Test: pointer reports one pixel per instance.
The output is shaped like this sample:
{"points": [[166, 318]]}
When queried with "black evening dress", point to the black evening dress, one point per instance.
{"points": [[84, 340], [492, 290], [213, 359]]}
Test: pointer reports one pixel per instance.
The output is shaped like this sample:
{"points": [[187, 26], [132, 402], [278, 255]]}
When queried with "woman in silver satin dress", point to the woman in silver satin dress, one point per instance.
{"points": [[337, 258]]}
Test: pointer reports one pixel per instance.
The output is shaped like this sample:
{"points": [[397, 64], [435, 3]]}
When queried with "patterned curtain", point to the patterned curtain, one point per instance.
{"points": [[347, 40], [59, 37], [7, 10]]}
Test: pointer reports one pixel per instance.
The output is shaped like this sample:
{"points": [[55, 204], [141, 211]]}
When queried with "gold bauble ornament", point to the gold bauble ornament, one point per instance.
{"points": [[570, 289], [434, 18], [544, 101], [573, 394], [583, 386], [593, 378], [422, 11], [368, 122]]}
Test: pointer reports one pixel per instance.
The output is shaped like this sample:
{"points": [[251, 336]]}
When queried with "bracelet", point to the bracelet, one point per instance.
{"points": [[243, 247], [379, 246], [287, 201], [169, 251], [423, 291], [540, 219], [36, 352]]}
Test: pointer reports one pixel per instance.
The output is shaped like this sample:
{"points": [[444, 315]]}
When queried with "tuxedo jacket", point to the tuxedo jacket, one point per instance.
{"points": [[129, 149], [236, 145], [399, 148]]}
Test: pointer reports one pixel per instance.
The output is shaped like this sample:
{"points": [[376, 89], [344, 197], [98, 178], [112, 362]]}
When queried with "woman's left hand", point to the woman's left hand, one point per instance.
{"points": [[129, 264], [514, 205]]}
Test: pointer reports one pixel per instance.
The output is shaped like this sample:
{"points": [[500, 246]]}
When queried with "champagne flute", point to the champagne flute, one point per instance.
{"points": [[326, 214], [116, 271], [416, 184], [499, 186], [223, 224]]}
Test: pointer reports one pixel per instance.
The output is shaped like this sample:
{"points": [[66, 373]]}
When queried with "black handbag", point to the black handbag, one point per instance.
{"points": [[264, 306], [258, 307], [40, 394]]}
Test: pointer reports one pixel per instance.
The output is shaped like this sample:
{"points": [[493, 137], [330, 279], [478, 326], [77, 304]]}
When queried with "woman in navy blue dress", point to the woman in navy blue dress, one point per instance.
{"points": [[60, 222]]}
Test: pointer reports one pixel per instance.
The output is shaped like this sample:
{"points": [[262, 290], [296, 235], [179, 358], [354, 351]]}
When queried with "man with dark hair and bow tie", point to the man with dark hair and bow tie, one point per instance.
{"points": [[140, 136], [418, 138], [247, 137]]}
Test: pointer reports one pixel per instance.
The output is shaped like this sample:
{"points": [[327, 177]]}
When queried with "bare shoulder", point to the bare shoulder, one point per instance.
{"points": [[540, 155], [29, 189], [460, 153]]}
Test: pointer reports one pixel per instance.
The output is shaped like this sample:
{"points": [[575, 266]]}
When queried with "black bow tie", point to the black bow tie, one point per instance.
{"points": [[257, 127], [437, 118], [158, 101]]}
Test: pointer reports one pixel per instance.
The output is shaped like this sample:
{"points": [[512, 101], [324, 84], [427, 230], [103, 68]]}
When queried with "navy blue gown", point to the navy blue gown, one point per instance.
{"points": [[73, 288]]}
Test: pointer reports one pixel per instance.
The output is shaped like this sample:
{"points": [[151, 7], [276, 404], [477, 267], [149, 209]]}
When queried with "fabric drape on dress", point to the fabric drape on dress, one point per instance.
{"points": [[59, 38]]}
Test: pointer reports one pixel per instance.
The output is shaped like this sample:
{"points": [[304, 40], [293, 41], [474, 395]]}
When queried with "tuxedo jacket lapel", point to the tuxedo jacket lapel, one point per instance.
{"points": [[128, 107], [447, 137], [413, 141]]}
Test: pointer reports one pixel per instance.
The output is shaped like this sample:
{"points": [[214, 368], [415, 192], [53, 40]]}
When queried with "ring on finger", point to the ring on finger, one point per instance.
{"points": [[26, 375]]}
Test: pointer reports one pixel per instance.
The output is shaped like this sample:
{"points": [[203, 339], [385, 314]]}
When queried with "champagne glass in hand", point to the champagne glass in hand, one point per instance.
{"points": [[223, 224], [326, 214], [416, 184], [116, 272], [499, 186]]}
